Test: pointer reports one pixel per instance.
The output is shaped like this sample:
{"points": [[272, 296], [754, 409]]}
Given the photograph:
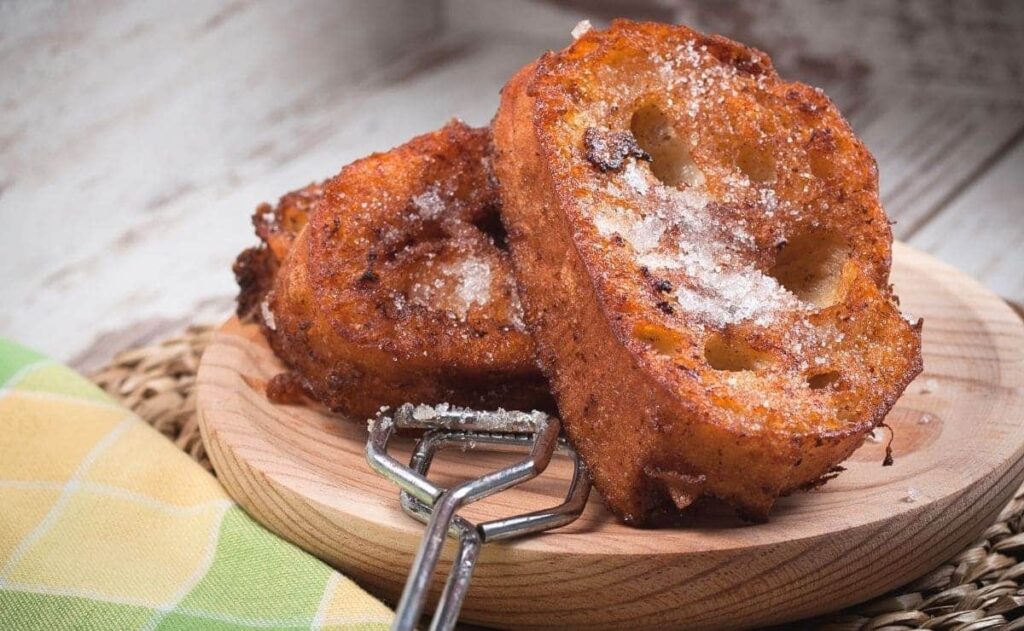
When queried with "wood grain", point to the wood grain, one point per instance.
{"points": [[994, 206], [136, 137], [959, 445]]}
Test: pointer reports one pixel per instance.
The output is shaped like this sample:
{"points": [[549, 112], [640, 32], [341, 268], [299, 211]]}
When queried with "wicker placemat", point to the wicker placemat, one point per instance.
{"points": [[978, 589], [158, 383]]}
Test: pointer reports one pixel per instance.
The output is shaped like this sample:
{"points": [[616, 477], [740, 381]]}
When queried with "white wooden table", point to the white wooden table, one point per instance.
{"points": [[136, 137]]}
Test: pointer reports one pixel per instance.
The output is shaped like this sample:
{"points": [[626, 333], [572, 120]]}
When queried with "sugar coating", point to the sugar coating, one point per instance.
{"points": [[681, 229], [516, 314], [474, 282], [268, 315], [423, 412], [635, 178], [429, 204], [642, 233], [453, 288], [718, 286], [582, 28], [456, 287]]}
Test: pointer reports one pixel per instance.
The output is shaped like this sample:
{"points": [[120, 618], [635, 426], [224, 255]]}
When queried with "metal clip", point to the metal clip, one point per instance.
{"points": [[437, 507]]}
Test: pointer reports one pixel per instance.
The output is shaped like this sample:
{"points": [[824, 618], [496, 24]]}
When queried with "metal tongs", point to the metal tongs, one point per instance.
{"points": [[446, 427]]}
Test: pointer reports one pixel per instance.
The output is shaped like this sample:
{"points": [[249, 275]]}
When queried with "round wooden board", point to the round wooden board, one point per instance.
{"points": [[959, 441]]}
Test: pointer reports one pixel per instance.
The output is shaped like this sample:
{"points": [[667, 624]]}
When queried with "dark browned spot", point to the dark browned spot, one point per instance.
{"points": [[608, 150], [742, 58], [369, 277]]}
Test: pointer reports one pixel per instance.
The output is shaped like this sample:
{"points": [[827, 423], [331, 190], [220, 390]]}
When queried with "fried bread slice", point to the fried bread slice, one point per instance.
{"points": [[724, 324], [396, 287]]}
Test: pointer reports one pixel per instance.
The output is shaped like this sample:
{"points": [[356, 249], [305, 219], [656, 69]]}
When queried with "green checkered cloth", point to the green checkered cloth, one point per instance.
{"points": [[105, 525]]}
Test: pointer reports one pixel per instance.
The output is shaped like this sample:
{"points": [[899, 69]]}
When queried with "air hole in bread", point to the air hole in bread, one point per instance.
{"points": [[398, 241], [732, 354], [671, 161], [662, 340], [810, 266], [756, 163], [490, 224], [823, 380]]}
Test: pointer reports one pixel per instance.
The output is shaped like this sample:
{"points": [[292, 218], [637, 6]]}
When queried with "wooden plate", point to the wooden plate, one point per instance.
{"points": [[959, 441]]}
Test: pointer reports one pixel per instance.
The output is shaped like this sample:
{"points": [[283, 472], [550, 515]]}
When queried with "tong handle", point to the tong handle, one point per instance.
{"points": [[438, 507]]}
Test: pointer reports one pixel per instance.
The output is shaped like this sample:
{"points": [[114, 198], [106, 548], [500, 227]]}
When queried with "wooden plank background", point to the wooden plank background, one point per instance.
{"points": [[136, 137]]}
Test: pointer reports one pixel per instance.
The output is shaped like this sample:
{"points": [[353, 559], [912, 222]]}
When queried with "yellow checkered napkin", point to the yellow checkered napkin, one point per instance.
{"points": [[105, 525]]}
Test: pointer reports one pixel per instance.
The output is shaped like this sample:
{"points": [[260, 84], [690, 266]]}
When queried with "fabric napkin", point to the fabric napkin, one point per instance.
{"points": [[105, 525]]}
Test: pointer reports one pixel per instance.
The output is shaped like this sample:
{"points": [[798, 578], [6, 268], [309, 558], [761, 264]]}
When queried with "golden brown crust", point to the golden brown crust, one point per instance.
{"points": [[398, 288], [725, 325], [276, 227]]}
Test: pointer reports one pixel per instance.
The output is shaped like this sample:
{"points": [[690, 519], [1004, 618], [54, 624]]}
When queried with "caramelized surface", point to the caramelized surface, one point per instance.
{"points": [[724, 324], [398, 288], [276, 227]]}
